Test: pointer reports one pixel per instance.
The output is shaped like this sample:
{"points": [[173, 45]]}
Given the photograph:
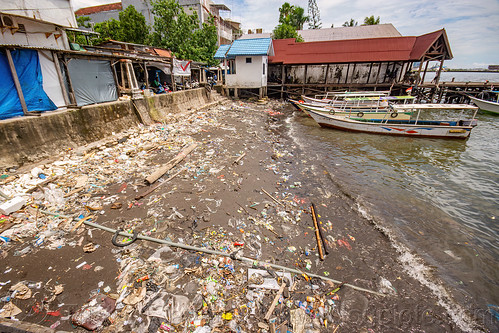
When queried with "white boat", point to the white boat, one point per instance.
{"points": [[365, 113], [486, 105], [460, 129]]}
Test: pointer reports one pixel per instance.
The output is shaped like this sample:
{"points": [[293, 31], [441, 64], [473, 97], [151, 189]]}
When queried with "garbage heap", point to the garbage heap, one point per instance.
{"points": [[165, 288]]}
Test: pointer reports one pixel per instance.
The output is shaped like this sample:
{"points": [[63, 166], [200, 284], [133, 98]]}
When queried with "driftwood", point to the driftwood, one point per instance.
{"points": [[267, 193], [239, 158], [164, 169], [45, 182], [274, 303], [150, 190]]}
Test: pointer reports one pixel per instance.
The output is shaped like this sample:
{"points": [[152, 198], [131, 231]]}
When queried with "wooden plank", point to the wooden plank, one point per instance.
{"points": [[274, 303], [60, 77], [16, 82], [163, 169]]}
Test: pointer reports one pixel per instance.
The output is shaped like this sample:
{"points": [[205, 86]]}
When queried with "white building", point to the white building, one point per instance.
{"points": [[246, 64]]}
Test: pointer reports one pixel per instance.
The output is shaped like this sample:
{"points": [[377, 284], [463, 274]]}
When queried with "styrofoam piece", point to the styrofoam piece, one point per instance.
{"points": [[12, 205]]}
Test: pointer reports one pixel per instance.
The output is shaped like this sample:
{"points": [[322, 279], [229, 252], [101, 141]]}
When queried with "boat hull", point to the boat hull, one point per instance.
{"points": [[413, 130], [354, 113], [485, 105]]}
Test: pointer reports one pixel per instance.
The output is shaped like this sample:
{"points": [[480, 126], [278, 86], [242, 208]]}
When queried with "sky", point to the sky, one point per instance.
{"points": [[472, 26]]}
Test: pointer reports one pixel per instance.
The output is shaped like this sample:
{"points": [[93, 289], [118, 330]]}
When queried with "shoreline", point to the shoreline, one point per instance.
{"points": [[215, 203]]}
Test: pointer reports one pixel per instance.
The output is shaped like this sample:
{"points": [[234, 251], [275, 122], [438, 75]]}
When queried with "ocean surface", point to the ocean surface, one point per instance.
{"points": [[464, 76], [437, 199]]}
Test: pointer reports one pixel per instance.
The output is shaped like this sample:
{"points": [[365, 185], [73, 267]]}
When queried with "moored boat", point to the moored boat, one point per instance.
{"points": [[460, 129], [486, 105], [365, 113]]}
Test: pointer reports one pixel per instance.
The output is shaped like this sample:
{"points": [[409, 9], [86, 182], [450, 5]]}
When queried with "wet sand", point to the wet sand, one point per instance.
{"points": [[216, 204]]}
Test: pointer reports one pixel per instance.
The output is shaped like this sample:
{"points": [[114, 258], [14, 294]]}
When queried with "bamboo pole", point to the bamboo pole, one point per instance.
{"points": [[16, 82], [317, 235]]}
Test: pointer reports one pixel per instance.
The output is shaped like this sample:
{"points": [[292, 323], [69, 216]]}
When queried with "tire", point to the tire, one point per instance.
{"points": [[394, 114], [360, 114]]}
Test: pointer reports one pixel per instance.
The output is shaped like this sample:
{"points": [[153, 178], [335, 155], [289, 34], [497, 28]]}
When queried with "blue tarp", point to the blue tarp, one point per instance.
{"points": [[29, 73]]}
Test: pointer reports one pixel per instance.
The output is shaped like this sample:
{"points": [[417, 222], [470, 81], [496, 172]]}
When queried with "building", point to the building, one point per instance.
{"points": [[228, 30], [355, 63], [246, 64]]}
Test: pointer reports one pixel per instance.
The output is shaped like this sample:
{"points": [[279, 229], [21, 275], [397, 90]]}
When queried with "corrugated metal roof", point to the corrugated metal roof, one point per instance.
{"points": [[287, 51], [220, 54], [256, 46], [98, 9], [342, 33]]}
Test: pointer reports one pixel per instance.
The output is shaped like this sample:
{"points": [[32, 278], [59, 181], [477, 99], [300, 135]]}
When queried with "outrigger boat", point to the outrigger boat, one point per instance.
{"points": [[365, 113], [487, 105], [460, 129]]}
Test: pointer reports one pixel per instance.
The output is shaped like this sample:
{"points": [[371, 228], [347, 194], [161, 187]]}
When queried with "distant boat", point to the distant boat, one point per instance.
{"points": [[485, 105], [460, 129]]}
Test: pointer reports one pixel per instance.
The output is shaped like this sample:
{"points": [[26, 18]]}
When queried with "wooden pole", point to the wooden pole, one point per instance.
{"points": [[146, 75], [283, 80], [369, 75], [72, 95], [16, 82], [317, 235], [60, 77]]}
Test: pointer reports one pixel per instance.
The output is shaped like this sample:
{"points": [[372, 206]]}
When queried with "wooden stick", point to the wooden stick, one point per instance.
{"points": [[267, 193], [314, 212], [77, 225], [274, 303], [164, 169], [45, 182], [239, 158], [152, 189], [319, 243]]}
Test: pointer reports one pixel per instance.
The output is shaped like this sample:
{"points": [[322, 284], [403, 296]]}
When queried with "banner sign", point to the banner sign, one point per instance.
{"points": [[181, 67]]}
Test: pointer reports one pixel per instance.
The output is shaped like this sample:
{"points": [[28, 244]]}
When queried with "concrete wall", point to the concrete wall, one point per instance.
{"points": [[31, 139]]}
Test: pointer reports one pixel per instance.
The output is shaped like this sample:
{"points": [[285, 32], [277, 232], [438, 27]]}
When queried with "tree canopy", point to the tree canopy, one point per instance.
{"points": [[180, 32], [314, 15], [351, 23], [370, 20], [131, 28], [283, 31], [291, 18], [292, 15]]}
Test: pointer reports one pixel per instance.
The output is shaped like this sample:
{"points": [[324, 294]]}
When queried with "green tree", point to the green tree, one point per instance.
{"points": [[370, 20], [133, 26], [179, 32], [110, 29], [314, 15], [292, 15], [76, 37], [283, 31], [351, 23]]}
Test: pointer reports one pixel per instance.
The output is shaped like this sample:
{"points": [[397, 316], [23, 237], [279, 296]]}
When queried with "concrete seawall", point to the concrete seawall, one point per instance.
{"points": [[26, 140]]}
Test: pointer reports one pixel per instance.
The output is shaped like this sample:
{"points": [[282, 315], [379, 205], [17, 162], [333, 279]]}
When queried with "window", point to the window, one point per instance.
{"points": [[248, 60], [264, 68], [232, 66]]}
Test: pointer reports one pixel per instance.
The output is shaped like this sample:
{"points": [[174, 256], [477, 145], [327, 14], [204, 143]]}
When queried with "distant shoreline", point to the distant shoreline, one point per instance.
{"points": [[465, 70]]}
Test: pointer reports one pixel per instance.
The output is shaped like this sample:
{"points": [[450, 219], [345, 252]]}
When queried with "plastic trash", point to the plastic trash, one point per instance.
{"points": [[12, 205], [94, 312]]}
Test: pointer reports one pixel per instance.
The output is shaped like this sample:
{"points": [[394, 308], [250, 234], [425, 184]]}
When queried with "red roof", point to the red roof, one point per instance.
{"points": [[287, 51], [163, 53], [98, 9]]}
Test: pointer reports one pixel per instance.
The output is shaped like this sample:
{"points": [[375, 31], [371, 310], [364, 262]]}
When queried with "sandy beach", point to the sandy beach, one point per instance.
{"points": [[245, 190]]}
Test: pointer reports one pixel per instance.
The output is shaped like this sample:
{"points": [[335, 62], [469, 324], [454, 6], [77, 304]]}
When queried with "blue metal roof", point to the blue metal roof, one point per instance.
{"points": [[256, 46], [220, 54]]}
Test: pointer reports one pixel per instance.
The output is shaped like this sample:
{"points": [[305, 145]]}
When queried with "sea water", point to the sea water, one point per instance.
{"points": [[438, 198]]}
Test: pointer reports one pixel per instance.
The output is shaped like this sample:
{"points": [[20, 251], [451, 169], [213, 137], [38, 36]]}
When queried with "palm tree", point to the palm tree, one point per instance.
{"points": [[351, 23], [298, 18], [370, 20]]}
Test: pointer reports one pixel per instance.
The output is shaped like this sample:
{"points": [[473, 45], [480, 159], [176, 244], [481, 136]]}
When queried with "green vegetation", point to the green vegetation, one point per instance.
{"points": [[351, 23], [179, 32], [291, 18], [174, 30], [370, 20], [131, 28]]}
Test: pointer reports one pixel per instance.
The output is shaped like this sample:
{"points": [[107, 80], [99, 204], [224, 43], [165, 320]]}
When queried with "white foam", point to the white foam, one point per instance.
{"points": [[417, 269]]}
